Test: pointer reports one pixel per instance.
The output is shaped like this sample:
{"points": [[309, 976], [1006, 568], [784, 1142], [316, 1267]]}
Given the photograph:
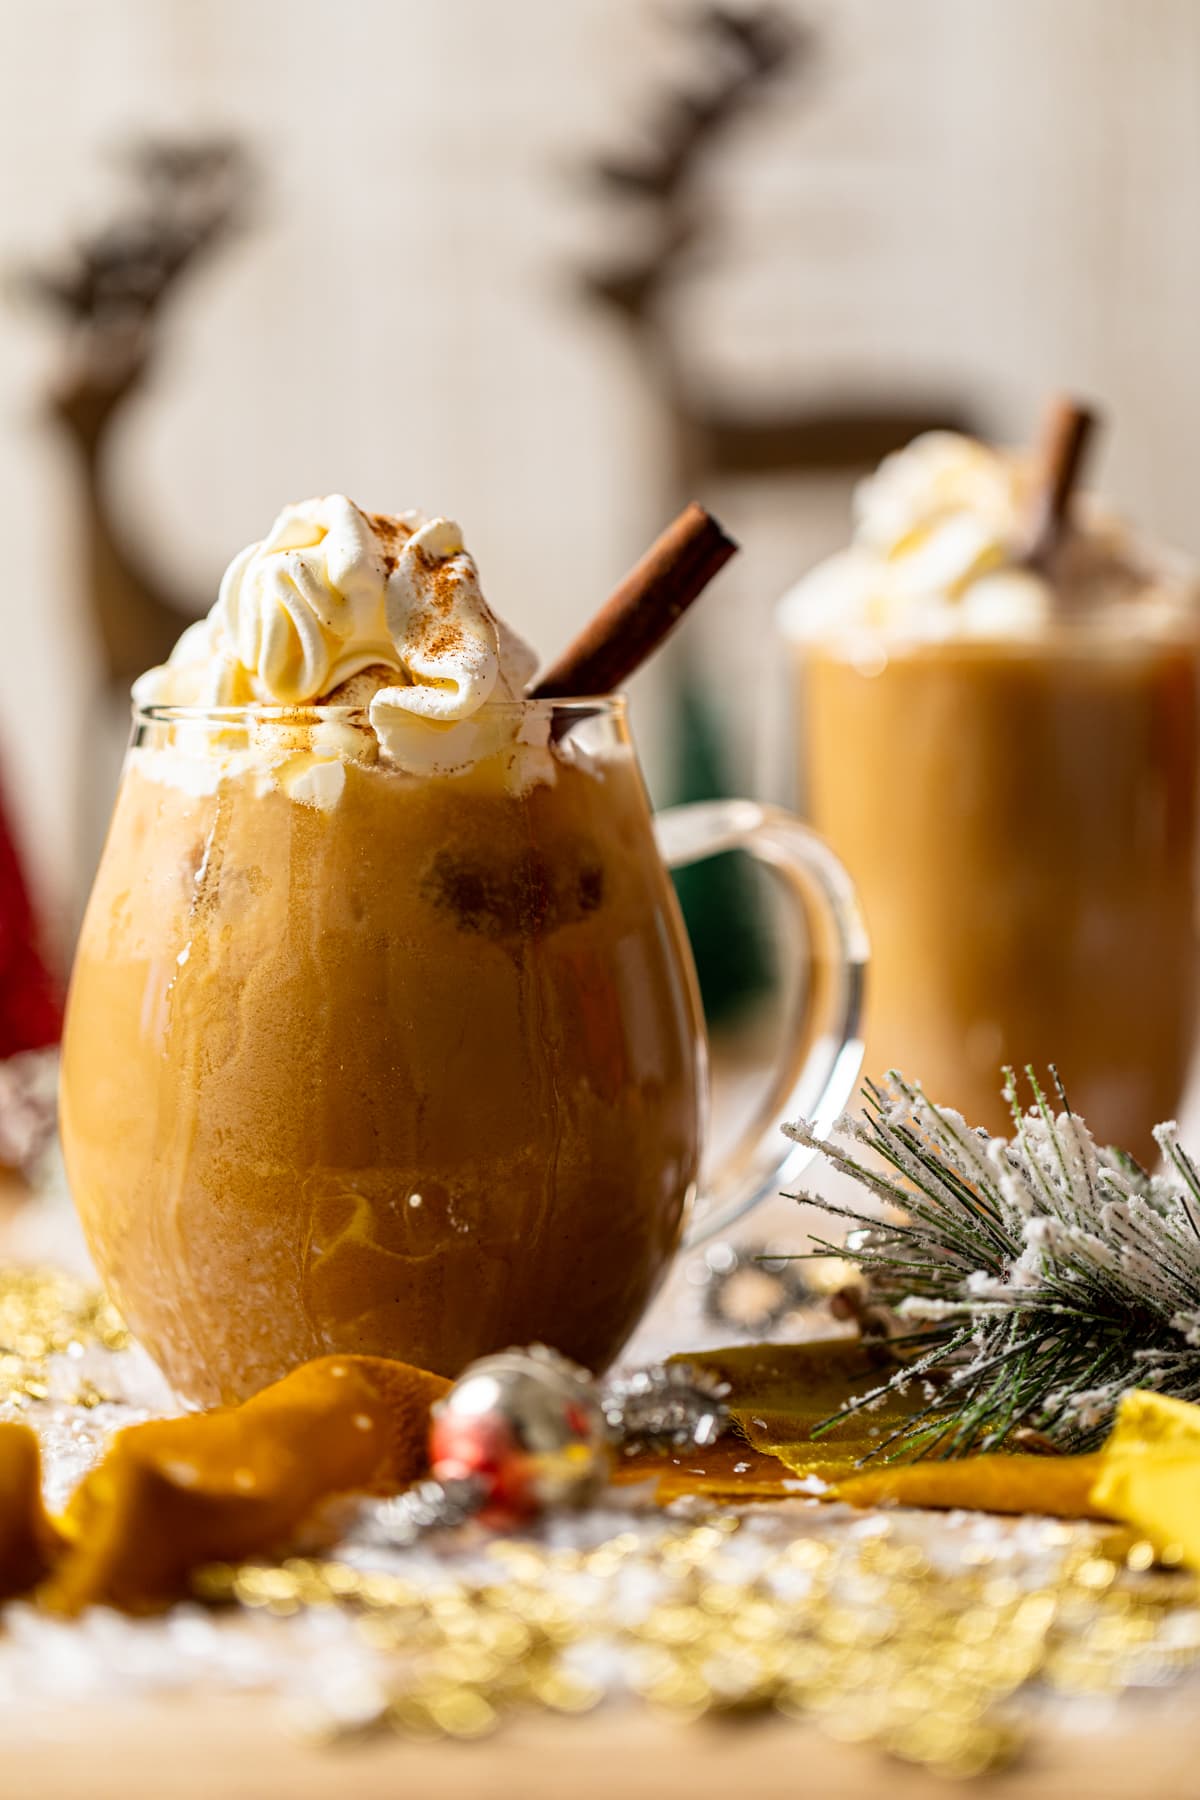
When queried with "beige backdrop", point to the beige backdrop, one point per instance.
{"points": [[989, 195]]}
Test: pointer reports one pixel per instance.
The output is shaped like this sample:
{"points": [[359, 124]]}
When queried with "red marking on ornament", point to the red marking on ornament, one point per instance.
{"points": [[483, 1446], [578, 1419]]}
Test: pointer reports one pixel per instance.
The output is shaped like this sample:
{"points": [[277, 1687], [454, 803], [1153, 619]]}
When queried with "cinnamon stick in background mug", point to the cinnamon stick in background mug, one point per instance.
{"points": [[1068, 429], [996, 728]]}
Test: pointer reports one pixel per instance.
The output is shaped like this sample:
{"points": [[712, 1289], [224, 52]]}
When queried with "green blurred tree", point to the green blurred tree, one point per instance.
{"points": [[720, 898]]}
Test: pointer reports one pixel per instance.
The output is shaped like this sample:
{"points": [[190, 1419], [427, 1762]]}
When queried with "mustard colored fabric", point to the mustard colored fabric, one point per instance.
{"points": [[173, 1494]]}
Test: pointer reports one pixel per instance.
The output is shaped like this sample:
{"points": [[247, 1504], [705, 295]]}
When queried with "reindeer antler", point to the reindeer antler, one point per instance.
{"points": [[110, 290], [744, 51], [111, 285], [191, 195], [716, 433]]}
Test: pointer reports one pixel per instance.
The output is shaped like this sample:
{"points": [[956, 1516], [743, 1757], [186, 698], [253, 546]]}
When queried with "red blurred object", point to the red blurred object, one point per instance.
{"points": [[30, 998], [486, 1447]]}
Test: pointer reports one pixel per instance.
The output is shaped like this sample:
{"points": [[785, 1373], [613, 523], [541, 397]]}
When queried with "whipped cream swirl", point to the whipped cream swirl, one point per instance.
{"points": [[940, 530], [333, 591]]}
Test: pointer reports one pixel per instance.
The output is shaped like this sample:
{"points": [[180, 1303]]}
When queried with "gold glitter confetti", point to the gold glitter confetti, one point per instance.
{"points": [[920, 1650], [46, 1313], [859, 1634]]}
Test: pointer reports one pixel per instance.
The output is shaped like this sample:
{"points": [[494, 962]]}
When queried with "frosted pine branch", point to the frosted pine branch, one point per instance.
{"points": [[1045, 1276]]}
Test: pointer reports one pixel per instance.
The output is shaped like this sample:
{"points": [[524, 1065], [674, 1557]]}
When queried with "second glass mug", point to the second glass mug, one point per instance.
{"points": [[417, 1070]]}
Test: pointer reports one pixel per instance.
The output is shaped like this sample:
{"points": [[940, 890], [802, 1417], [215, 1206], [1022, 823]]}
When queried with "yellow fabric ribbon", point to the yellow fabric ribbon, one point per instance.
{"points": [[173, 1494], [29, 1542], [1061, 1486], [1147, 1475], [1150, 1473]]}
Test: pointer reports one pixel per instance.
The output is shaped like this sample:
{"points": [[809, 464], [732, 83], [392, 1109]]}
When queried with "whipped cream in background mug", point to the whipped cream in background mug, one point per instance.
{"points": [[940, 530]]}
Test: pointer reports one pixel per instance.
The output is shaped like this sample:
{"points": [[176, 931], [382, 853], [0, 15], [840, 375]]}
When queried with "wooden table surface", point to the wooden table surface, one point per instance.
{"points": [[236, 1750]]}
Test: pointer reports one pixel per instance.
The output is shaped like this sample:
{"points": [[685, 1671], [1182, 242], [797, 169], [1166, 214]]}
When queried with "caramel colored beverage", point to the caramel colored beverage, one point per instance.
{"points": [[383, 1034], [1020, 821], [415, 1071], [1007, 764]]}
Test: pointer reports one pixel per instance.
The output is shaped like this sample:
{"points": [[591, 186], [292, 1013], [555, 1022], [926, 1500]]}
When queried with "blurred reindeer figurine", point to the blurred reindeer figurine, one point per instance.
{"points": [[664, 206], [741, 51], [111, 292]]}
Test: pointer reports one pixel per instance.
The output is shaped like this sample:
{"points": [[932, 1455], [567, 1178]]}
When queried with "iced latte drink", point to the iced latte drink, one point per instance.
{"points": [[383, 1034], [1007, 764]]}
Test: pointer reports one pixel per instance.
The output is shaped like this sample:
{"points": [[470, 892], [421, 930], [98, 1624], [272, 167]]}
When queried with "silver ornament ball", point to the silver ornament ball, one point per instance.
{"points": [[548, 1409]]}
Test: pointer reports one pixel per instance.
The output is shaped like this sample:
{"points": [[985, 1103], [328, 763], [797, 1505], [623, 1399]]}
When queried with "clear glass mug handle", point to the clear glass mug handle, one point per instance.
{"points": [[821, 1050]]}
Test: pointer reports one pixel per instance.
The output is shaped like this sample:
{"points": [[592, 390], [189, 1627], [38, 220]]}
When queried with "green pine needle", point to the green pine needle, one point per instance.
{"points": [[1045, 1276]]}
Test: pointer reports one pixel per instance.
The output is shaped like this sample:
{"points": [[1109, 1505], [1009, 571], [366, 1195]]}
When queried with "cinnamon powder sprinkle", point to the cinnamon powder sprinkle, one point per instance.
{"points": [[442, 581], [388, 530], [445, 584], [444, 642], [392, 533]]}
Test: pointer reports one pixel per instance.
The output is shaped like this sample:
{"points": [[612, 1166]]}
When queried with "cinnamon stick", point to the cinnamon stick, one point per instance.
{"points": [[637, 616], [1067, 430]]}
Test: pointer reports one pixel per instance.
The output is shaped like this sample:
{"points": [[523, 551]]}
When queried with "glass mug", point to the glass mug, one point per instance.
{"points": [[419, 1072], [1020, 819]]}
